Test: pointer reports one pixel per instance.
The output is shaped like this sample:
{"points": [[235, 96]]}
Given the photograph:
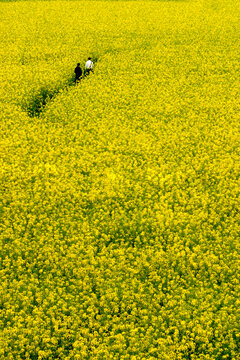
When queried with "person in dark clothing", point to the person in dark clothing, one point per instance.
{"points": [[78, 73]]}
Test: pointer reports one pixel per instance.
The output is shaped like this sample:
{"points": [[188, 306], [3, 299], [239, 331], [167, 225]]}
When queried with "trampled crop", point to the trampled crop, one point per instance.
{"points": [[120, 196]]}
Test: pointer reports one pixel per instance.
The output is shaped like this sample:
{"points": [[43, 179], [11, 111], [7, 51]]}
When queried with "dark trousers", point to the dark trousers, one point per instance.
{"points": [[88, 71]]}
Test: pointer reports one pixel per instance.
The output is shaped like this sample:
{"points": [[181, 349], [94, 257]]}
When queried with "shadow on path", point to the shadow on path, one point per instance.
{"points": [[38, 102]]}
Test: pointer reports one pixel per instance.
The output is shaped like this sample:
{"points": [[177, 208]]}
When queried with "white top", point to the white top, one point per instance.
{"points": [[89, 65]]}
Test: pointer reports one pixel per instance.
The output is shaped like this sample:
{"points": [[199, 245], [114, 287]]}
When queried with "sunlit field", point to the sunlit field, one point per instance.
{"points": [[120, 204]]}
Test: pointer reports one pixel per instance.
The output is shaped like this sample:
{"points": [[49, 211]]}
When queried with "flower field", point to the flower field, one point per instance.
{"points": [[120, 204]]}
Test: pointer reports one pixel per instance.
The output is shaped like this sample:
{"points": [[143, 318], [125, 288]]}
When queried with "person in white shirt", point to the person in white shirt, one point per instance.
{"points": [[89, 66]]}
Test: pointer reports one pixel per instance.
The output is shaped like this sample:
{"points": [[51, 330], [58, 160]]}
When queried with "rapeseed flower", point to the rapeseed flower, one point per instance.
{"points": [[120, 196]]}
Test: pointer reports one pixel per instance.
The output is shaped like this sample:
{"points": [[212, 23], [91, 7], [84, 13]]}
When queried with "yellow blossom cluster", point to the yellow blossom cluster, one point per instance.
{"points": [[120, 221]]}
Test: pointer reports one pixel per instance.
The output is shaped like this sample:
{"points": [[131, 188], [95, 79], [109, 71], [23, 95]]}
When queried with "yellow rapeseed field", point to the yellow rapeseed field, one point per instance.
{"points": [[120, 204]]}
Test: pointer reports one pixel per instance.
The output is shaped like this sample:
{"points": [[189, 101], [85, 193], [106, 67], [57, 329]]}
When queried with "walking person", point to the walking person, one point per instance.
{"points": [[78, 73], [89, 66]]}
